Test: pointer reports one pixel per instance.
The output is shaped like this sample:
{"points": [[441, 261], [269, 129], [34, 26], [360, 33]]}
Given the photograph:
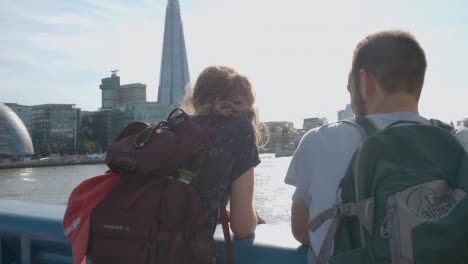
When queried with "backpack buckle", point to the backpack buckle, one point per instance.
{"points": [[185, 175], [363, 210], [341, 209]]}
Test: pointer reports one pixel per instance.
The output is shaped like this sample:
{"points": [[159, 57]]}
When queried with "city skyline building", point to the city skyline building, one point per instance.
{"points": [[313, 122], [109, 87], [24, 112], [463, 123], [174, 73], [149, 112], [346, 113], [279, 134], [133, 93], [104, 126], [96, 126], [52, 123], [115, 95], [14, 137]]}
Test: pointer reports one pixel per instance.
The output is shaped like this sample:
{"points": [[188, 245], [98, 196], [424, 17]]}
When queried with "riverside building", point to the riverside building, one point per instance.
{"points": [[463, 123], [15, 140], [110, 87], [97, 127], [55, 123], [149, 112], [115, 95], [313, 122], [134, 93], [24, 112]]}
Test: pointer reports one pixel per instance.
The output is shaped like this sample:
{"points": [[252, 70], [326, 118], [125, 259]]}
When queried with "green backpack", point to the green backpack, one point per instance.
{"points": [[403, 198]]}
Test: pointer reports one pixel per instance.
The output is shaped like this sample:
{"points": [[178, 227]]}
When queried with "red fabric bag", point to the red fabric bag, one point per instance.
{"points": [[84, 198]]}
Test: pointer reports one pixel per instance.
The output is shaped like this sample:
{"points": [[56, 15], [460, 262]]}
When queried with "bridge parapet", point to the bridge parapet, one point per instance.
{"points": [[31, 233]]}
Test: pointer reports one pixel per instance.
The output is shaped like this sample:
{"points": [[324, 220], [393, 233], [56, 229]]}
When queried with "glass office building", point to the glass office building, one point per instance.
{"points": [[148, 113], [14, 136]]}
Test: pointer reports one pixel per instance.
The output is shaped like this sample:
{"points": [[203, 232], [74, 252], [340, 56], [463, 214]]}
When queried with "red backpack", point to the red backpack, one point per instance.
{"points": [[153, 213]]}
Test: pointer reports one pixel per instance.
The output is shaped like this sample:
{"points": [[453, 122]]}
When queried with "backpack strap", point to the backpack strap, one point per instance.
{"points": [[173, 112], [434, 122], [364, 125], [215, 205], [363, 210], [443, 125], [227, 234], [403, 122]]}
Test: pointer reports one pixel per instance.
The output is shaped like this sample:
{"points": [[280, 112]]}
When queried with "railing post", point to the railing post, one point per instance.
{"points": [[1, 248], [25, 249]]}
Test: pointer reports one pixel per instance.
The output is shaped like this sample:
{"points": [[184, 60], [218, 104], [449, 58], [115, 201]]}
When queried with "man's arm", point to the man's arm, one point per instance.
{"points": [[299, 220], [298, 175]]}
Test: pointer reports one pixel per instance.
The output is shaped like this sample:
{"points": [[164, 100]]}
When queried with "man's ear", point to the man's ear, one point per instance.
{"points": [[367, 84]]}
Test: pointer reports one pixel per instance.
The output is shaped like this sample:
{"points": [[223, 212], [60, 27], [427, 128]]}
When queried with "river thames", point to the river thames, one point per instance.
{"points": [[272, 197]]}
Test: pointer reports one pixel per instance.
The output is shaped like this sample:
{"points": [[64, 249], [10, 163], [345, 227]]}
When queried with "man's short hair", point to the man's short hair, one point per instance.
{"points": [[394, 58]]}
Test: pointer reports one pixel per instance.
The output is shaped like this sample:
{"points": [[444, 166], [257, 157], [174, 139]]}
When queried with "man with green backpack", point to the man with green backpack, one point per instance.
{"points": [[388, 186]]}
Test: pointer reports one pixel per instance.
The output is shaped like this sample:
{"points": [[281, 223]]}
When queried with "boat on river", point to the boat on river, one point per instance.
{"points": [[31, 233], [286, 151]]}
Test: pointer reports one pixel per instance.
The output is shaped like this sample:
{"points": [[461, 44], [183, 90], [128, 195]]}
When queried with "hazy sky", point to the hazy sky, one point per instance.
{"points": [[297, 53]]}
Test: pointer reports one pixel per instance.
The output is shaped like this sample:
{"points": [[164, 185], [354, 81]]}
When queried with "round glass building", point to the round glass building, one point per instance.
{"points": [[14, 137]]}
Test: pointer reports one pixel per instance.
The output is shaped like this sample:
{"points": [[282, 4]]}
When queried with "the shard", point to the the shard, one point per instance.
{"points": [[174, 67]]}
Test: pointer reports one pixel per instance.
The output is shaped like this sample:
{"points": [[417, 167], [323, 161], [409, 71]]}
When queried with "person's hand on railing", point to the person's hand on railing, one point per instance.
{"points": [[260, 220]]}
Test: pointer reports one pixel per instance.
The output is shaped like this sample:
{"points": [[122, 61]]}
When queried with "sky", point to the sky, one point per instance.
{"points": [[296, 53]]}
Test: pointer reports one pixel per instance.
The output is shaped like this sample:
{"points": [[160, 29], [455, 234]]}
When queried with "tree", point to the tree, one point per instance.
{"points": [[86, 146], [59, 148], [62, 144], [44, 149]]}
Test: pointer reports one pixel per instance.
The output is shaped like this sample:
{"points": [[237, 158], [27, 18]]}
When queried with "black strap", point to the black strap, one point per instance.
{"points": [[365, 126], [227, 234], [403, 122], [434, 122], [170, 116], [443, 125]]}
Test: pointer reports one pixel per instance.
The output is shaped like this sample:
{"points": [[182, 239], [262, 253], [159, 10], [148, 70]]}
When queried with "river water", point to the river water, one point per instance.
{"points": [[272, 198]]}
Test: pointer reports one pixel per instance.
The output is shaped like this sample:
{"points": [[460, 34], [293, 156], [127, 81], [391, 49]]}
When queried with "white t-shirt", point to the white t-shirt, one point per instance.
{"points": [[321, 160]]}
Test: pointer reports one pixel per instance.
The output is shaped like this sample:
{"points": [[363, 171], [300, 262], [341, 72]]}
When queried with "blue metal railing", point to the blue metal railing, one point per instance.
{"points": [[31, 233]]}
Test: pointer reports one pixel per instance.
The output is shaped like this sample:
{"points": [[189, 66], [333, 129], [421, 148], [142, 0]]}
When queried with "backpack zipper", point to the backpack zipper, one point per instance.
{"points": [[390, 229]]}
